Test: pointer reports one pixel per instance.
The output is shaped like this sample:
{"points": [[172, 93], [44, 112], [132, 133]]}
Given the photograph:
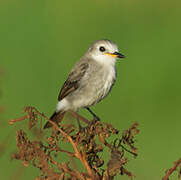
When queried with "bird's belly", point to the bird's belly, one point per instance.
{"points": [[107, 84], [94, 91]]}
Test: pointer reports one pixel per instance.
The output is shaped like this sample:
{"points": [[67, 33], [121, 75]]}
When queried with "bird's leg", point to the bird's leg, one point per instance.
{"points": [[78, 121], [94, 115]]}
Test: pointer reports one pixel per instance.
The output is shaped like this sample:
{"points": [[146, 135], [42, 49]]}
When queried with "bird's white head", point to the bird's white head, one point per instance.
{"points": [[104, 51]]}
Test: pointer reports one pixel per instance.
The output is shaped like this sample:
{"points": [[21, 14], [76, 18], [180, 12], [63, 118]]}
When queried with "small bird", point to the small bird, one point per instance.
{"points": [[89, 81]]}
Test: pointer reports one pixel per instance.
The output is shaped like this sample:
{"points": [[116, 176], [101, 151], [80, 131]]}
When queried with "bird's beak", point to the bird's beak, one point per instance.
{"points": [[116, 54]]}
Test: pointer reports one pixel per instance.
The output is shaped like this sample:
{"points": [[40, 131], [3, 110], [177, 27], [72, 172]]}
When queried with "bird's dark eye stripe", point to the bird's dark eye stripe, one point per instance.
{"points": [[102, 49]]}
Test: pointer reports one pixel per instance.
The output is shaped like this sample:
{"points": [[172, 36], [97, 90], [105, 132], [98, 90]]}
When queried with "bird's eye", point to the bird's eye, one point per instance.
{"points": [[102, 49]]}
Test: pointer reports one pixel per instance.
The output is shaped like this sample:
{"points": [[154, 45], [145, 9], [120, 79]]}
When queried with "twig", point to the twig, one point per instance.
{"points": [[65, 151], [65, 168], [76, 115], [133, 153], [171, 170], [104, 141], [12, 121]]}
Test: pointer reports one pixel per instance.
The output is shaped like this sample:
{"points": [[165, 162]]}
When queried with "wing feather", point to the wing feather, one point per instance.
{"points": [[72, 82]]}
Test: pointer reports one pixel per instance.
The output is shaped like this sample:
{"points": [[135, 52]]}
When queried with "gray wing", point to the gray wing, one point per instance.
{"points": [[72, 82]]}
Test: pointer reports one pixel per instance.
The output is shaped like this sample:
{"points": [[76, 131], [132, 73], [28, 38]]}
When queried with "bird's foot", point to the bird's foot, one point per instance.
{"points": [[96, 118], [92, 122]]}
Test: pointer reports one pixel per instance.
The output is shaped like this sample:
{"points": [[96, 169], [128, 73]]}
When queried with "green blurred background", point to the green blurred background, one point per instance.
{"points": [[40, 40]]}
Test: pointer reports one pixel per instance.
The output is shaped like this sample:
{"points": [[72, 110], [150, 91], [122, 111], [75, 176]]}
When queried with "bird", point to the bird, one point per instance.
{"points": [[90, 80]]}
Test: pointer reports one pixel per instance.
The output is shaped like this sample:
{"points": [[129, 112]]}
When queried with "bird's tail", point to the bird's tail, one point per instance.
{"points": [[56, 117]]}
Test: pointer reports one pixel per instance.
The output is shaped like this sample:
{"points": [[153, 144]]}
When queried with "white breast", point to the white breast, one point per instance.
{"points": [[110, 78], [109, 75]]}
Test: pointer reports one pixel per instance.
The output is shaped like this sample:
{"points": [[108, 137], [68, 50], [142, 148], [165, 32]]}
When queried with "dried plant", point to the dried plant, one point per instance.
{"points": [[176, 168], [88, 146]]}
